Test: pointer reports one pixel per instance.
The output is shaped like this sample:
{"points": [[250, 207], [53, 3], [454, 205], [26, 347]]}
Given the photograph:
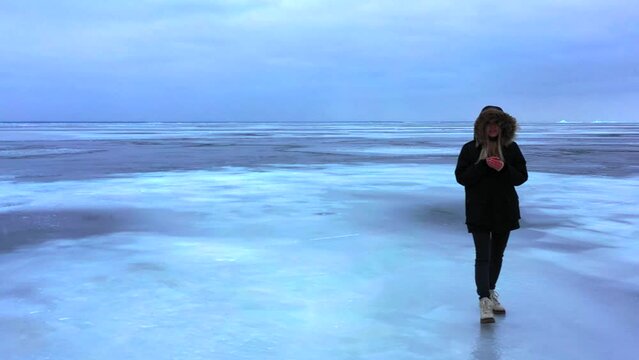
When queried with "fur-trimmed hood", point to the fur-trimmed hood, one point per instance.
{"points": [[507, 123]]}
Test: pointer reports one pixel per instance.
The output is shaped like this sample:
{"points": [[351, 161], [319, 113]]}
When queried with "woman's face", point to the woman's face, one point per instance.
{"points": [[492, 129]]}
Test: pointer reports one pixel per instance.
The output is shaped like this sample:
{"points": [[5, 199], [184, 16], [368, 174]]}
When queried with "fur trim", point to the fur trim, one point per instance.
{"points": [[507, 123]]}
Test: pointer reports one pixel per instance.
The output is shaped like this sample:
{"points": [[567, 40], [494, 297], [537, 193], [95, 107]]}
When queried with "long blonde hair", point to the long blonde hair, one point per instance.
{"points": [[491, 148]]}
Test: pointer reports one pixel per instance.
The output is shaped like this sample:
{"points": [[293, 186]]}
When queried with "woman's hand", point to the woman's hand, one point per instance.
{"points": [[495, 163]]}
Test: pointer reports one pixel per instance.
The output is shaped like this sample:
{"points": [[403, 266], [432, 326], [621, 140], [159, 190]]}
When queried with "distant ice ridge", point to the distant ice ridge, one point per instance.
{"points": [[19, 153], [402, 150], [591, 122]]}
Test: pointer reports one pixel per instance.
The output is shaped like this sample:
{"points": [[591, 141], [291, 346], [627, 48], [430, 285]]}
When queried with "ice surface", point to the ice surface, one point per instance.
{"points": [[358, 258]]}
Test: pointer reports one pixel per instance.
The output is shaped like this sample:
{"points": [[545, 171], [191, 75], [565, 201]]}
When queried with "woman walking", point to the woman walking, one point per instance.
{"points": [[489, 167]]}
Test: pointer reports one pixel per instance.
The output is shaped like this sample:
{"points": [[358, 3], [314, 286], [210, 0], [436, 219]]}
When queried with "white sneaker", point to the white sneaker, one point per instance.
{"points": [[497, 307], [486, 311]]}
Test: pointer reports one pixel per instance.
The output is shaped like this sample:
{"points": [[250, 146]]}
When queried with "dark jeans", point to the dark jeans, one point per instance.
{"points": [[489, 252]]}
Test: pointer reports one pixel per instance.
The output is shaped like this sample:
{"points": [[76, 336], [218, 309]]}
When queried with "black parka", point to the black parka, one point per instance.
{"points": [[492, 203]]}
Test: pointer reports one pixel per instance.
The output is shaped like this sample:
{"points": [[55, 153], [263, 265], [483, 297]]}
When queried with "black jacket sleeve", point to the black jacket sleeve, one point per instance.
{"points": [[517, 170], [467, 172]]}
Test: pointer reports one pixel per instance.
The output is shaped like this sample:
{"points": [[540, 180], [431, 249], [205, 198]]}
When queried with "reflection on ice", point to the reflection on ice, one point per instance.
{"points": [[316, 262]]}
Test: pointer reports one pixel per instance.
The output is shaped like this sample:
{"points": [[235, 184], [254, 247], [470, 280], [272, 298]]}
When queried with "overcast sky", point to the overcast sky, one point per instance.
{"points": [[303, 60]]}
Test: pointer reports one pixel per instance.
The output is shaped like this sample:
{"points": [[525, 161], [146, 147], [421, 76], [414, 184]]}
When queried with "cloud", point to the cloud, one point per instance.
{"points": [[335, 56]]}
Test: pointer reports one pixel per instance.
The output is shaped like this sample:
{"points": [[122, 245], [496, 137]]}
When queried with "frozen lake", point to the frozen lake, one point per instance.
{"points": [[308, 241]]}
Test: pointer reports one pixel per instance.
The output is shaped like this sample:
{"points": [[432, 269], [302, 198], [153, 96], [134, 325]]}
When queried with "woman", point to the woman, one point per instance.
{"points": [[489, 168]]}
